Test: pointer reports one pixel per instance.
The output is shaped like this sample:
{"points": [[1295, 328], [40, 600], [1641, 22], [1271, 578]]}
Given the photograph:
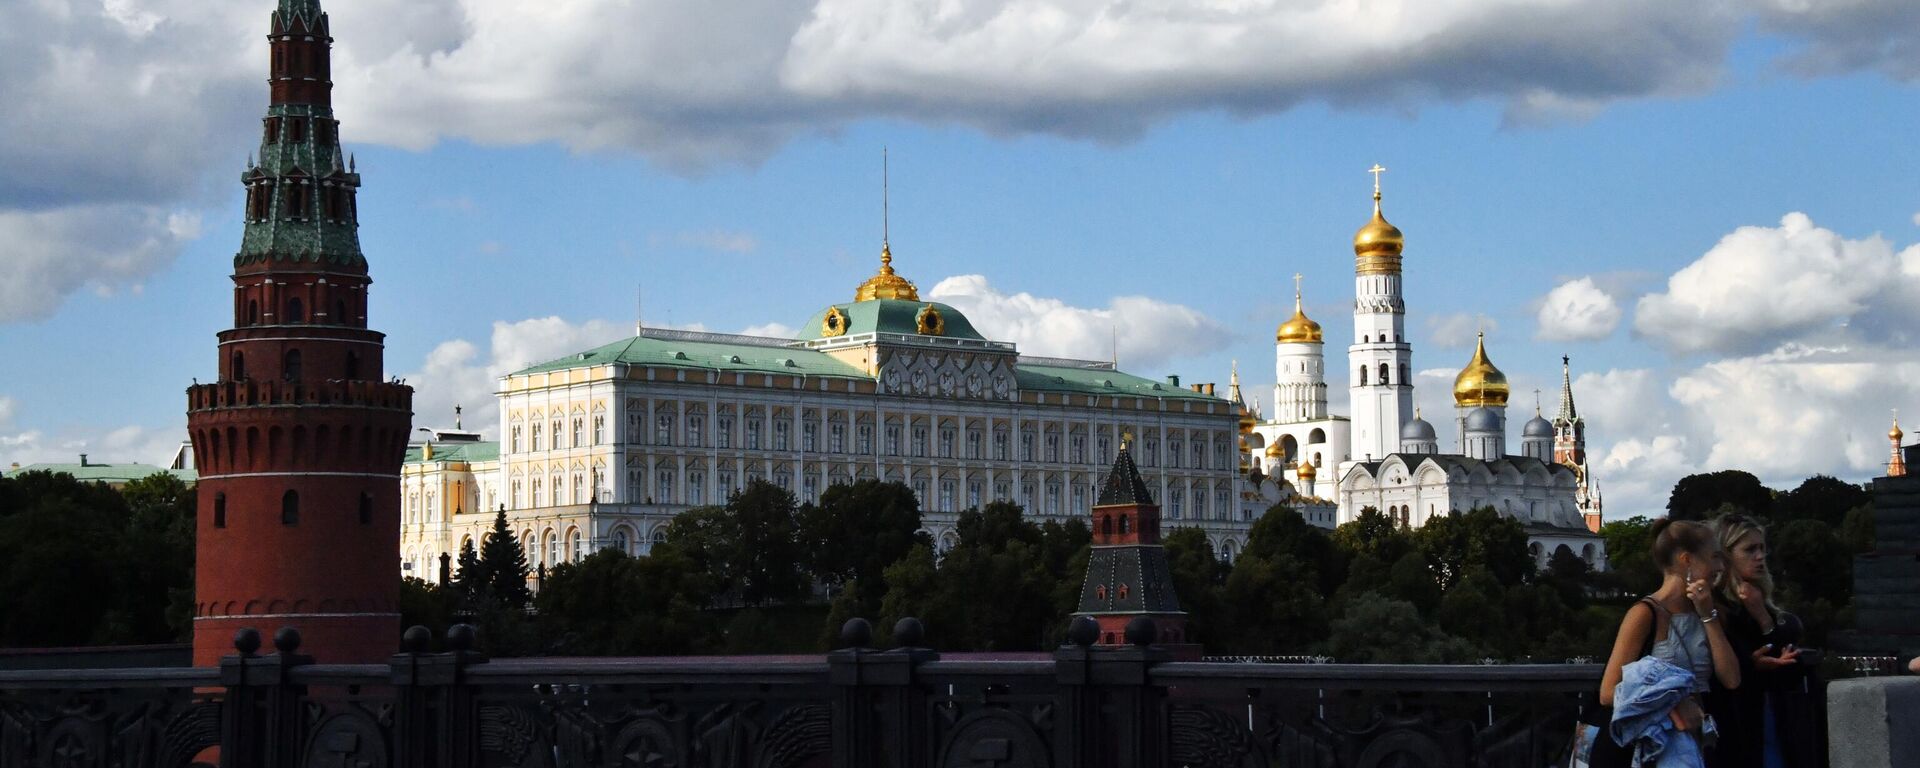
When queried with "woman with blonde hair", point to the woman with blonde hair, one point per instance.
{"points": [[1763, 721]]}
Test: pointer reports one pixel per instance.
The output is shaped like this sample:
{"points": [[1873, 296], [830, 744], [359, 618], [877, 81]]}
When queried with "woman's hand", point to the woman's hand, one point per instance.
{"points": [[1700, 593], [1755, 602], [1687, 715], [1764, 662]]}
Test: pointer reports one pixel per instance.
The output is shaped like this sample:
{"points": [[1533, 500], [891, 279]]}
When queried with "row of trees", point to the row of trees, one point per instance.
{"points": [[84, 564]]}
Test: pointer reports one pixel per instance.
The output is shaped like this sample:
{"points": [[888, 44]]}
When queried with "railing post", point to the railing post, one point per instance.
{"points": [[1110, 709], [435, 724], [261, 725], [879, 716]]}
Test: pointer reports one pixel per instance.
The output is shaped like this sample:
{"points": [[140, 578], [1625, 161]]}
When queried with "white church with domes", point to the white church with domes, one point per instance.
{"points": [[1386, 456]]}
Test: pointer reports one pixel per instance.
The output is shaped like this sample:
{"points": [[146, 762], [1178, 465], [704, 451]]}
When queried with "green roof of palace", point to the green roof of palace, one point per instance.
{"points": [[107, 473], [706, 355], [891, 316], [1098, 381], [456, 452], [791, 361]]}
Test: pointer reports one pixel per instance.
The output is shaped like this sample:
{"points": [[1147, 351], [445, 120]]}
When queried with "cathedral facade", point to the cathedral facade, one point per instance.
{"points": [[1385, 456]]}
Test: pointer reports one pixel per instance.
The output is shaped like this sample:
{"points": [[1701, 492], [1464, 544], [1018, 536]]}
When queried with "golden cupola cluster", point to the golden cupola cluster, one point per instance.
{"points": [[1480, 383], [1298, 329], [1377, 246], [885, 284]]}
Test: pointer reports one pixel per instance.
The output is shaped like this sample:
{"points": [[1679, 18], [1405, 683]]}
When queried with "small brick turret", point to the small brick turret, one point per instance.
{"points": [[299, 442], [1127, 573]]}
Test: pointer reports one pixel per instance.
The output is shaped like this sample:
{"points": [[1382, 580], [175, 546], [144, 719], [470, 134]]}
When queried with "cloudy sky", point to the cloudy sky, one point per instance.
{"points": [[1708, 205]]}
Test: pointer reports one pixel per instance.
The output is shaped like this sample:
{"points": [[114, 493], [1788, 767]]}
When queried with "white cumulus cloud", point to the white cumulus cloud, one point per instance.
{"points": [[1458, 329], [1150, 333], [51, 254], [1577, 310], [1762, 285]]}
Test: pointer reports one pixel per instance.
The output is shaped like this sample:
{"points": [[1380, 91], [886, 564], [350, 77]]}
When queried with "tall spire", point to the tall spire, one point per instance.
{"points": [[1567, 412], [1896, 466], [885, 284]]}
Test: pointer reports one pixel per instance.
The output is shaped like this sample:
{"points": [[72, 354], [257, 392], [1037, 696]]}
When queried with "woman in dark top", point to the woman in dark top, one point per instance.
{"points": [[1768, 721]]}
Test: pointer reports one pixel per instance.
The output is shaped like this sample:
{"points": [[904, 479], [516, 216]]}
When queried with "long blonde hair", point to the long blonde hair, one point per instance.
{"points": [[1732, 528]]}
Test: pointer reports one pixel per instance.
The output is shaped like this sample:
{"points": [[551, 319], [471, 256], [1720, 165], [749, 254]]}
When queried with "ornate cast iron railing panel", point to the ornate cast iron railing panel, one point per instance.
{"points": [[686, 713], [1371, 716], [116, 717]]}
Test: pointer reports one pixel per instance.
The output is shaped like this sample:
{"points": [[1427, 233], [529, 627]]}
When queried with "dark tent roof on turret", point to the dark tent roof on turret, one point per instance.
{"points": [[1123, 485]]}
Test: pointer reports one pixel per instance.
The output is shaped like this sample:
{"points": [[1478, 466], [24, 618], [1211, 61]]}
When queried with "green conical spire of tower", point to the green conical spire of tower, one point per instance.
{"points": [[307, 7]]}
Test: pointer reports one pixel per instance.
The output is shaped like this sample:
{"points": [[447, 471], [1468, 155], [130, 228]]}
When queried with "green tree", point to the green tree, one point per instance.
{"points": [[913, 589], [1373, 534], [1822, 498], [1857, 529], [1630, 565], [1411, 579], [1375, 629], [154, 583], [1199, 578], [855, 532], [1273, 605], [1480, 537], [467, 572], [58, 583], [1474, 610], [1283, 531], [503, 567], [1812, 563], [997, 584], [1695, 497], [763, 561]]}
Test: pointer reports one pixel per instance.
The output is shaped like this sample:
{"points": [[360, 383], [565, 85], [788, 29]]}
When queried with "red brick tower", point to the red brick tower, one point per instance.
{"points": [[299, 443], [1128, 579]]}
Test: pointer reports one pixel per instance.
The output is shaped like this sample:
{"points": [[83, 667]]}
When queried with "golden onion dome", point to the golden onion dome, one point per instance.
{"points": [[1306, 470], [1480, 384], [1895, 434], [1298, 329], [1274, 451], [886, 284], [1377, 246]]}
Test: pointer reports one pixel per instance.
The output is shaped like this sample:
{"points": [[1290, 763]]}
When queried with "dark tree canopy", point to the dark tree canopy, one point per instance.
{"points": [[1821, 498], [1480, 537], [855, 532], [503, 567], [1695, 497]]}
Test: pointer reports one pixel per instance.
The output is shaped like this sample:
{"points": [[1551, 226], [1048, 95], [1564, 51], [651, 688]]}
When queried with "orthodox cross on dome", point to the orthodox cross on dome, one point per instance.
{"points": [[885, 257], [1376, 170], [1296, 288]]}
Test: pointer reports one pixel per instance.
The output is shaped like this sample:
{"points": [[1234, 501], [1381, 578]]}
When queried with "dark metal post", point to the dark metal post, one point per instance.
{"points": [[261, 725], [879, 715], [434, 727], [1111, 708]]}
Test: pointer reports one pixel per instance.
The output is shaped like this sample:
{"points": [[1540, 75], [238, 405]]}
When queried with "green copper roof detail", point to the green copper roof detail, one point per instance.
{"points": [[1096, 381], [675, 353], [300, 155], [890, 316], [111, 474], [456, 453]]}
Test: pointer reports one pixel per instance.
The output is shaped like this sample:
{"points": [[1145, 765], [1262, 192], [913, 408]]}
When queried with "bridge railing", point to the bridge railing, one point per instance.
{"points": [[1081, 706]]}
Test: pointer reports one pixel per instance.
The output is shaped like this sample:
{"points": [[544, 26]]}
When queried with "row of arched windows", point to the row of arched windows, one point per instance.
{"points": [[1386, 379]]}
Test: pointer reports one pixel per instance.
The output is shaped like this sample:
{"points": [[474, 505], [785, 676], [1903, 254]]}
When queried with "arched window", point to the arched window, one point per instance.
{"points": [[296, 313], [290, 370], [1363, 375], [353, 365], [1384, 368], [1100, 592], [253, 312], [366, 508], [220, 511], [1126, 525], [239, 366], [1123, 591], [620, 541], [339, 312], [1106, 525], [290, 508]]}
